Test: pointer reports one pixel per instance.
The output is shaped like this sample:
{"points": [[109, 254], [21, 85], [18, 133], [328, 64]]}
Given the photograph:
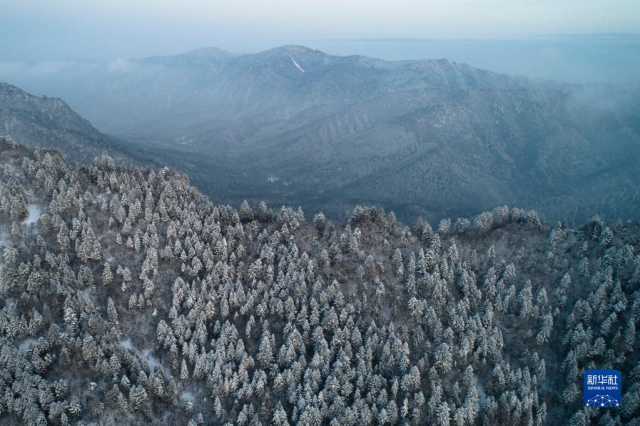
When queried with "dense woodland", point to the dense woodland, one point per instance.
{"points": [[128, 297]]}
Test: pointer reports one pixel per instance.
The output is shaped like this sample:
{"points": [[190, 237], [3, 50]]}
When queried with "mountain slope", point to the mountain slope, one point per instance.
{"points": [[128, 297], [50, 123], [431, 137]]}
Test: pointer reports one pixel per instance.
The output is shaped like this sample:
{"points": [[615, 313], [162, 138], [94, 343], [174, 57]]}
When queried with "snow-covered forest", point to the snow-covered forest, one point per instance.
{"points": [[128, 297]]}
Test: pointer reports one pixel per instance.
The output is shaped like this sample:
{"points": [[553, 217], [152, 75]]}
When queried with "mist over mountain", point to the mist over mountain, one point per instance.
{"points": [[435, 138], [571, 58], [319, 213]]}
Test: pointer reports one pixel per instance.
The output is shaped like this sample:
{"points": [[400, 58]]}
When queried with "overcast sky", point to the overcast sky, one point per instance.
{"points": [[91, 29]]}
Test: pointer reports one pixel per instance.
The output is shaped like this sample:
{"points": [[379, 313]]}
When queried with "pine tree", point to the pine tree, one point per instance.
{"points": [[137, 396], [184, 371], [265, 351], [112, 312], [107, 274]]}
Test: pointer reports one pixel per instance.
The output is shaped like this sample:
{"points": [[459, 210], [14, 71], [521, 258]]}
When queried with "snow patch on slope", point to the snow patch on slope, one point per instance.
{"points": [[126, 343], [27, 345], [297, 65], [33, 215], [152, 361], [145, 355]]}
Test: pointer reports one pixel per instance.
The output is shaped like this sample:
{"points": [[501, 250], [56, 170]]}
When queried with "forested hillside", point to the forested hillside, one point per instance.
{"points": [[437, 138], [50, 123], [128, 297]]}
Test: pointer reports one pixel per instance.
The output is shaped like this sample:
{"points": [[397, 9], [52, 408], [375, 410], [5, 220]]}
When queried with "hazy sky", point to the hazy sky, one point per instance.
{"points": [[91, 29]]}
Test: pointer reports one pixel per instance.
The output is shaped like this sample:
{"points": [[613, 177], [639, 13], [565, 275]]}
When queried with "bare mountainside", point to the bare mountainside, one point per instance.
{"points": [[435, 138], [128, 297]]}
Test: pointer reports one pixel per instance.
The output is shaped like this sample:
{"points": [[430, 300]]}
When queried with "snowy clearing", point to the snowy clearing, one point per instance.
{"points": [[34, 214]]}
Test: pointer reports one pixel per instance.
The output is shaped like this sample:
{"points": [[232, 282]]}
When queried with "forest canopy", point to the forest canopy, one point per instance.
{"points": [[128, 297]]}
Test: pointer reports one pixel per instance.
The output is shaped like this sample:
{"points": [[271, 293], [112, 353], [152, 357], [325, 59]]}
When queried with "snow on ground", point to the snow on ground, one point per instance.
{"points": [[146, 355], [27, 344], [34, 214], [153, 362], [297, 65], [126, 343]]}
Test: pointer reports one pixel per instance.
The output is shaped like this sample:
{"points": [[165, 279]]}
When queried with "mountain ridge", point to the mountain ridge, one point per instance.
{"points": [[297, 125], [49, 122]]}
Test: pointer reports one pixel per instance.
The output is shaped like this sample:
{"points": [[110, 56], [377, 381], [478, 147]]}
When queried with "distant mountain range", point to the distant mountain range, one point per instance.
{"points": [[435, 138]]}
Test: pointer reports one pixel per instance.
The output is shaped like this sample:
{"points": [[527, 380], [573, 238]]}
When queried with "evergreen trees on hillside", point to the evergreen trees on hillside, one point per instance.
{"points": [[134, 299]]}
